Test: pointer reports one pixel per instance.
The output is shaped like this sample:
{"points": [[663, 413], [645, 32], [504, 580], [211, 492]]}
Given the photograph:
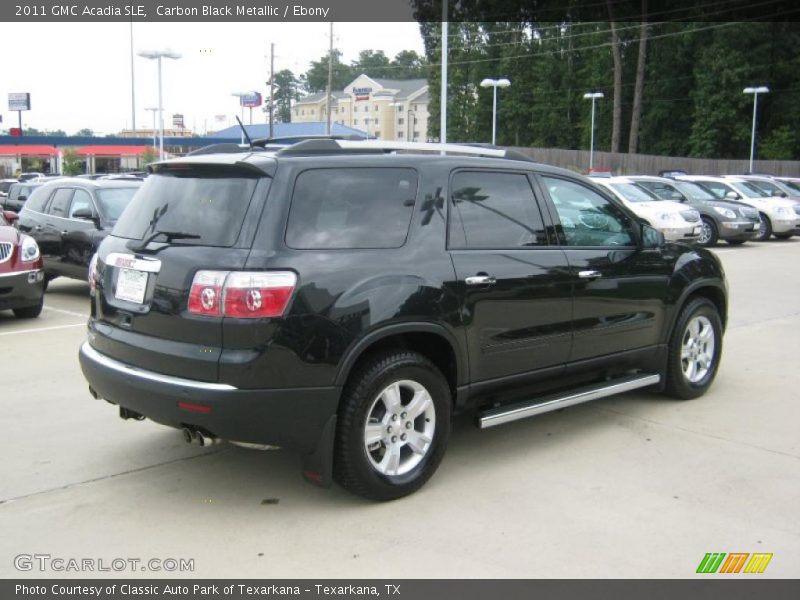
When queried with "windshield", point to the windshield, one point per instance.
{"points": [[193, 206], [4, 185], [631, 193], [756, 191], [114, 200], [795, 187], [694, 191], [772, 189]]}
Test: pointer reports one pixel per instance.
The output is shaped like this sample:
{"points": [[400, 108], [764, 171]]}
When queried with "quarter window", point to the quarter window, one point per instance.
{"points": [[587, 218], [59, 205], [351, 208], [494, 210]]}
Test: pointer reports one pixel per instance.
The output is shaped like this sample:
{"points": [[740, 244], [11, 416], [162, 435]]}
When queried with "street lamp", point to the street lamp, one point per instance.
{"points": [[755, 91], [157, 55], [154, 110], [494, 83], [593, 96]]}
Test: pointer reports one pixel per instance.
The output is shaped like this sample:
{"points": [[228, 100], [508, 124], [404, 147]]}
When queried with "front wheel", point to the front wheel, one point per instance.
{"points": [[29, 312], [694, 350], [783, 236], [765, 230], [393, 427], [708, 233]]}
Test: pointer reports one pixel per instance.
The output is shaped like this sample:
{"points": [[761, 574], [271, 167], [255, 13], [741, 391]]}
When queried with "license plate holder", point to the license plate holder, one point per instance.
{"points": [[131, 285]]}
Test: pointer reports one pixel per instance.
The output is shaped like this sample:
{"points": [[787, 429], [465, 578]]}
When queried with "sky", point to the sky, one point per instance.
{"points": [[79, 74]]}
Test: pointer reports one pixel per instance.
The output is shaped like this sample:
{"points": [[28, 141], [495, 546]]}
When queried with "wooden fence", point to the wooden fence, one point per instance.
{"points": [[646, 164]]}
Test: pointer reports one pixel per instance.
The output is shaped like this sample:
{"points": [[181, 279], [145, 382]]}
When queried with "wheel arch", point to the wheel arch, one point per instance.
{"points": [[429, 339], [712, 290]]}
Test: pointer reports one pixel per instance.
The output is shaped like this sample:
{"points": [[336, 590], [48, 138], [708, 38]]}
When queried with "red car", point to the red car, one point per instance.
{"points": [[21, 271]]}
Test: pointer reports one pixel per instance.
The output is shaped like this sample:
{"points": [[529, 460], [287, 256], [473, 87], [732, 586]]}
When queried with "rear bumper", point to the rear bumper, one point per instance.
{"points": [[21, 289], [296, 418]]}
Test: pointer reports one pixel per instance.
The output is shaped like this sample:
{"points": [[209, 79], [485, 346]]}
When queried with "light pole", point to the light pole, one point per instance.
{"points": [[494, 83], [157, 55], [593, 96], [154, 110], [755, 91]]}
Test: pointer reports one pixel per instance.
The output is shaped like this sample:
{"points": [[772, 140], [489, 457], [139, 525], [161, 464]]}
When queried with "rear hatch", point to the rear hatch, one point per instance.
{"points": [[189, 216]]}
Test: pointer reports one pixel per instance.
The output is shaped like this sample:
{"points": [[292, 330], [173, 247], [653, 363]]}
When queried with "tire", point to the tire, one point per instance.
{"points": [[29, 312], [699, 323], [389, 467], [48, 277], [783, 236], [765, 231], [709, 234], [736, 242]]}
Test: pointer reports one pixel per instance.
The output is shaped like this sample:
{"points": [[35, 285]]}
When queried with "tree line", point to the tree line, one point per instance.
{"points": [[671, 88]]}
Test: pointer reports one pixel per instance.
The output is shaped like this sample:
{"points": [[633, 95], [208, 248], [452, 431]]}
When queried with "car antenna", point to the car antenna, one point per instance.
{"points": [[244, 132]]}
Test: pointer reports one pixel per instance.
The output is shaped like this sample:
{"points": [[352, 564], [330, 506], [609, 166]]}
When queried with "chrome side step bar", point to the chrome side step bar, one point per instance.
{"points": [[545, 404]]}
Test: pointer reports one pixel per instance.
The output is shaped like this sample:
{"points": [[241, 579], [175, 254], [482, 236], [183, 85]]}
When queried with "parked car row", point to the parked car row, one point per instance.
{"points": [[705, 209]]}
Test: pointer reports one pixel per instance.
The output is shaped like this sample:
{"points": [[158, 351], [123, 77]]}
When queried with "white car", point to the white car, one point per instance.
{"points": [[675, 220], [777, 215]]}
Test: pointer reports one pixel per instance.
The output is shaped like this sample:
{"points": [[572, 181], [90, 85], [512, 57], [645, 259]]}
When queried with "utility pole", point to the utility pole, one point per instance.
{"points": [[443, 95], [271, 88], [330, 82], [133, 93]]}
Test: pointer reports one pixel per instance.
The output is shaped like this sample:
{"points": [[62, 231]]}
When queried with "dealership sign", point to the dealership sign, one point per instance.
{"points": [[362, 93], [251, 100], [19, 101], [177, 121]]}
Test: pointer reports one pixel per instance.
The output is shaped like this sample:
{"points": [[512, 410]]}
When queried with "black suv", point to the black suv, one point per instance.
{"points": [[344, 299]]}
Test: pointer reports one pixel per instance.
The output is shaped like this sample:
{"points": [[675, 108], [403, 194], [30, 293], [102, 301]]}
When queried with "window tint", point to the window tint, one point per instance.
{"points": [[351, 208], [718, 189], [206, 207], [494, 210], [664, 191], [80, 201], [694, 191], [59, 205], [587, 218]]}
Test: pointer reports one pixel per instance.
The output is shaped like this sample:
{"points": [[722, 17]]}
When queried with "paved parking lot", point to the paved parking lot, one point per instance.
{"points": [[632, 486]]}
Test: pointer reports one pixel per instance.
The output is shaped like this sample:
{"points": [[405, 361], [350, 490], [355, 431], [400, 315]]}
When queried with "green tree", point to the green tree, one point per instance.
{"points": [[407, 64], [372, 63], [71, 163], [316, 78], [85, 132], [287, 89]]}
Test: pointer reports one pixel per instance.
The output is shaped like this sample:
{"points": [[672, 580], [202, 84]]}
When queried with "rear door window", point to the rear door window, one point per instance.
{"points": [[59, 205], [351, 208], [189, 205]]}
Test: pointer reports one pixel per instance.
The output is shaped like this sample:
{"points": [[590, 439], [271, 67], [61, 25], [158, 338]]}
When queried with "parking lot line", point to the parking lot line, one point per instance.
{"points": [[54, 327], [67, 312]]}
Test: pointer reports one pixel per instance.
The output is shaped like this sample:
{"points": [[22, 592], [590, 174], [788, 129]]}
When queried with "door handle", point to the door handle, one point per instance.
{"points": [[480, 280], [589, 274], [38, 228], [64, 232]]}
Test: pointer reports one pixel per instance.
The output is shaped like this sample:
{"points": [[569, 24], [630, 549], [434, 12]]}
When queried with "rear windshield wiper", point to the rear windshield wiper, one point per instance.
{"points": [[169, 235]]}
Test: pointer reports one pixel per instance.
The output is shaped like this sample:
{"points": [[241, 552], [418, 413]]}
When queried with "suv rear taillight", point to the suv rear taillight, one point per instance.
{"points": [[241, 294]]}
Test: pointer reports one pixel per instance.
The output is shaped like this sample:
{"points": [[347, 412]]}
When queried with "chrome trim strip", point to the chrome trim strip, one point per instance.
{"points": [[538, 406], [130, 371], [129, 261], [13, 273]]}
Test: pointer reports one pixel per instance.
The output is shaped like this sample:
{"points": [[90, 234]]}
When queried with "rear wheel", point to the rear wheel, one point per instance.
{"points": [[708, 233], [393, 427], [765, 230], [694, 350], [29, 312]]}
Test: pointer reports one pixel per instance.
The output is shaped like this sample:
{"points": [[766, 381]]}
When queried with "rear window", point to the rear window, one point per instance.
{"points": [[203, 207], [351, 208], [114, 200]]}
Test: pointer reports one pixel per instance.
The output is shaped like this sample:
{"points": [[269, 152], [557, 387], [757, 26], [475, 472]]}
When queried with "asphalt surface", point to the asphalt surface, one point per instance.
{"points": [[632, 486]]}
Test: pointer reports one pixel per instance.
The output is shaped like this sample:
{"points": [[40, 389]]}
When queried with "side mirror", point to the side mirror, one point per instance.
{"points": [[651, 237], [732, 195], [780, 194], [10, 216], [677, 196]]}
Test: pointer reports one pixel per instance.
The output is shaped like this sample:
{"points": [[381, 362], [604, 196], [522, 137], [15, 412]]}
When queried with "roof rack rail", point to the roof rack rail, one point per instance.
{"points": [[296, 139], [334, 146]]}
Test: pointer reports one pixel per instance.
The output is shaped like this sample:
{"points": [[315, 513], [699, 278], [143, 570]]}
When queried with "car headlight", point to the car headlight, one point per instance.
{"points": [[725, 212], [785, 211], [667, 217], [29, 249], [797, 209]]}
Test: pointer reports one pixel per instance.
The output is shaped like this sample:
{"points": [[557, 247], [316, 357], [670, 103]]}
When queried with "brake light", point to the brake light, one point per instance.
{"points": [[241, 294], [205, 297]]}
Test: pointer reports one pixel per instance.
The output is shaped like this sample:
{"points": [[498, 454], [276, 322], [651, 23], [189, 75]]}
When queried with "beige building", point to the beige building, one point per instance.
{"points": [[387, 109]]}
